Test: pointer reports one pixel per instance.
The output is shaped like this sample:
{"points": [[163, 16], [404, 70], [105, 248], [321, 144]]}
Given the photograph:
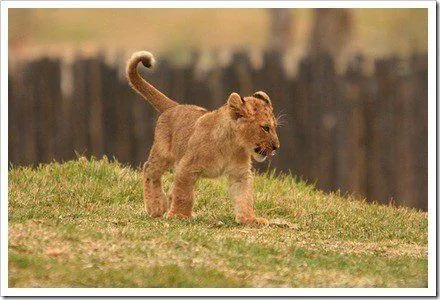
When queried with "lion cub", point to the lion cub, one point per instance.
{"points": [[201, 143]]}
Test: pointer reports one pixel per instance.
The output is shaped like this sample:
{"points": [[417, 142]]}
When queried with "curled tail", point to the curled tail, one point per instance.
{"points": [[159, 101]]}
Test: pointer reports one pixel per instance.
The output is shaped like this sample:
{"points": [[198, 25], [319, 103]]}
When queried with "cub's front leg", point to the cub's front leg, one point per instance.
{"points": [[241, 189]]}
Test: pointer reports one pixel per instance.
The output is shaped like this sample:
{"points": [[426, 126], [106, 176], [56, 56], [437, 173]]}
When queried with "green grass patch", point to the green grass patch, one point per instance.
{"points": [[81, 224]]}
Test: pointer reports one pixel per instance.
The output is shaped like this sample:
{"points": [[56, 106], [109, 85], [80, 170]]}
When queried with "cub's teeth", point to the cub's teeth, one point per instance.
{"points": [[272, 153], [260, 158]]}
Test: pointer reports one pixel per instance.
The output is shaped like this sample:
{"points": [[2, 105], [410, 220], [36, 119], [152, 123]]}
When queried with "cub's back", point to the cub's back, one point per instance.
{"points": [[175, 126]]}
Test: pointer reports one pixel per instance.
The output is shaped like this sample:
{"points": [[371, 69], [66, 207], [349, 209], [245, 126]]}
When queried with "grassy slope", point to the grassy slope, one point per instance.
{"points": [[81, 224]]}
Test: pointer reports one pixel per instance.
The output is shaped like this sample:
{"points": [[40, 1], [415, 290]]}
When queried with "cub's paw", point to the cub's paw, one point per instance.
{"points": [[171, 215], [253, 221], [155, 212]]}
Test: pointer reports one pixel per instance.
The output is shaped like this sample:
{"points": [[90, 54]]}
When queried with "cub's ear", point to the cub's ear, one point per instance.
{"points": [[236, 105], [263, 96]]}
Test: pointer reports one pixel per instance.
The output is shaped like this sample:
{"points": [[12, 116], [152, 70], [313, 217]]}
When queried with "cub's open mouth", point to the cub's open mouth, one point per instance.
{"points": [[259, 151]]}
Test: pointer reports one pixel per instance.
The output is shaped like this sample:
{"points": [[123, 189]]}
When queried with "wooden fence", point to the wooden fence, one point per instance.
{"points": [[365, 134]]}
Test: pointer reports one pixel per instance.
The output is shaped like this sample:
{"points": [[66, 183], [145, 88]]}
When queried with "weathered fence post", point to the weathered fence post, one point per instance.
{"points": [[322, 122], [38, 104], [13, 123], [80, 107], [382, 171], [302, 93], [405, 148], [351, 174], [419, 65]]}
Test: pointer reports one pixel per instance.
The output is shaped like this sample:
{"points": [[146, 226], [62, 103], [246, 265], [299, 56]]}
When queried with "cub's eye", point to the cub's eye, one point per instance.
{"points": [[265, 128]]}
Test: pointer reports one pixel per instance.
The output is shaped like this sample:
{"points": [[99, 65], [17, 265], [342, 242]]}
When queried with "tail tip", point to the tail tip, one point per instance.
{"points": [[145, 57]]}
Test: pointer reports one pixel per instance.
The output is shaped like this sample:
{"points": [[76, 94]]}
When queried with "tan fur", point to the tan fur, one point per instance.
{"points": [[201, 143]]}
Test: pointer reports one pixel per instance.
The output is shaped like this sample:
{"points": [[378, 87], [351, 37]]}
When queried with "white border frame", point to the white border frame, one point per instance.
{"points": [[432, 159]]}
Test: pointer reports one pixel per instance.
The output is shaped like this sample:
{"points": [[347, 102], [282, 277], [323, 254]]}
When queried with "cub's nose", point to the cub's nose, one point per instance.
{"points": [[275, 147]]}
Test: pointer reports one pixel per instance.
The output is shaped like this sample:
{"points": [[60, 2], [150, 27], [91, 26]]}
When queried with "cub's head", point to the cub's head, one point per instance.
{"points": [[255, 124]]}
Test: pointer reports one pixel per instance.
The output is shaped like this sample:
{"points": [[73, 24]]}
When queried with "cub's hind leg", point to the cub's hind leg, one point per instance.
{"points": [[182, 195], [156, 203]]}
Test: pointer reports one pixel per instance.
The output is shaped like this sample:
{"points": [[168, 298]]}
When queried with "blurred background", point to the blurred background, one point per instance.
{"points": [[351, 85]]}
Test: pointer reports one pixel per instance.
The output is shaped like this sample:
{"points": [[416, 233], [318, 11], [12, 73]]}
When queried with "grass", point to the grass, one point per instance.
{"points": [[81, 224]]}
